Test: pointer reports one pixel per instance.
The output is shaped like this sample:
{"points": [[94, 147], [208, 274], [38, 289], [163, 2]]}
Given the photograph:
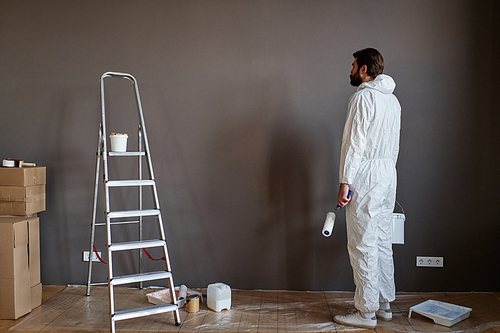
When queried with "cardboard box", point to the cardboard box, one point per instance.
{"points": [[27, 176], [15, 288], [15, 297], [34, 251], [22, 200], [36, 295], [19, 265]]}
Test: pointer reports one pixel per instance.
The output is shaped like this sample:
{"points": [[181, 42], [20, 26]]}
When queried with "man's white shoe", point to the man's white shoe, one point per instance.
{"points": [[356, 319], [384, 314]]}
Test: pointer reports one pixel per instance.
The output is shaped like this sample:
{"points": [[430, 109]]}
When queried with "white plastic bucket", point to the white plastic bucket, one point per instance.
{"points": [[398, 226], [118, 142]]}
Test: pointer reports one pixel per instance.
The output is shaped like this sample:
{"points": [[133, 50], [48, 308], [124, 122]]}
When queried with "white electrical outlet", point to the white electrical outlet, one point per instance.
{"points": [[94, 257], [430, 262]]}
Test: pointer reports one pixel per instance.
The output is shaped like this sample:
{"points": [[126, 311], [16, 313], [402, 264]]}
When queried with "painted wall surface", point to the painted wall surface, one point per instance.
{"points": [[245, 103]]}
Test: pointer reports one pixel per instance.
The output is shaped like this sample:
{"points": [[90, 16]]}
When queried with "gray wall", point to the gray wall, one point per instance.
{"points": [[245, 103]]}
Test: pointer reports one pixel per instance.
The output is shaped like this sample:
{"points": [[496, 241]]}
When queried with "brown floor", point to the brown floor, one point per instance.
{"points": [[68, 309]]}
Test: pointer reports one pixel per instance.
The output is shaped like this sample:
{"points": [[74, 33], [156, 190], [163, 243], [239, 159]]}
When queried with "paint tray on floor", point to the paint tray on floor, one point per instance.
{"points": [[442, 313], [163, 296]]}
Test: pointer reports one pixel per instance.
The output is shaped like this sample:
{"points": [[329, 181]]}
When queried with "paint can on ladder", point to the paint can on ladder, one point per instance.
{"points": [[118, 142], [398, 226]]}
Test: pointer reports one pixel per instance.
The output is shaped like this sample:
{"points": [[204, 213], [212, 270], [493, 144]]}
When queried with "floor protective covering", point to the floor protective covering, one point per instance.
{"points": [[251, 311]]}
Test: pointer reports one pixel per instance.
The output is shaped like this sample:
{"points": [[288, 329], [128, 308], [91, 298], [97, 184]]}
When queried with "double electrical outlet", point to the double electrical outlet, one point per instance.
{"points": [[430, 262], [94, 257]]}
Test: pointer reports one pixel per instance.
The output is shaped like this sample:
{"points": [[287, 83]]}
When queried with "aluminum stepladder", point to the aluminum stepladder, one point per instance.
{"points": [[114, 218]]}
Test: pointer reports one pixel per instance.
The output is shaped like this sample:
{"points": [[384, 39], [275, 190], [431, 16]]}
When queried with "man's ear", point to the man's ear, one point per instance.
{"points": [[363, 69]]}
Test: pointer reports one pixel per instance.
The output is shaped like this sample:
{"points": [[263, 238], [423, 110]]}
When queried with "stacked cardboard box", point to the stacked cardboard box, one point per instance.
{"points": [[22, 191], [22, 194]]}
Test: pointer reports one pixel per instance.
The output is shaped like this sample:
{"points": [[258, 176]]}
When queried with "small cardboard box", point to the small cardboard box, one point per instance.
{"points": [[27, 176], [22, 200], [19, 265]]}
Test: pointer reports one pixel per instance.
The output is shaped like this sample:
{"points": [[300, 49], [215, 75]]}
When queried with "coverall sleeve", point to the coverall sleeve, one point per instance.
{"points": [[355, 137]]}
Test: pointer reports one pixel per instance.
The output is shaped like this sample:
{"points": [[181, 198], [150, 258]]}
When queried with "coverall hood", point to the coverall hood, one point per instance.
{"points": [[383, 83]]}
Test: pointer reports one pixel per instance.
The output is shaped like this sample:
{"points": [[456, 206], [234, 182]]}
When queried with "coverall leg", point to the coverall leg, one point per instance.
{"points": [[368, 219]]}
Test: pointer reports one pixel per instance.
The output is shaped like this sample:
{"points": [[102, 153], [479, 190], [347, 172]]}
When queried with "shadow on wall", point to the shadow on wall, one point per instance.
{"points": [[67, 172], [289, 195], [260, 178]]}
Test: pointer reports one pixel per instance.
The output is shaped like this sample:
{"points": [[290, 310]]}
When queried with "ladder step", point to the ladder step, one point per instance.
{"points": [[144, 311], [126, 153], [136, 245], [133, 213], [141, 277], [114, 223], [137, 182]]}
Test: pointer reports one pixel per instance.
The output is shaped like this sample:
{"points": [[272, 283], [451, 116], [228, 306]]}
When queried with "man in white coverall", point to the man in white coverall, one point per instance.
{"points": [[370, 146]]}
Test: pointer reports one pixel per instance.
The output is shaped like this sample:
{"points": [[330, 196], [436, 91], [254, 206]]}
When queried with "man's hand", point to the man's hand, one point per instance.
{"points": [[342, 197]]}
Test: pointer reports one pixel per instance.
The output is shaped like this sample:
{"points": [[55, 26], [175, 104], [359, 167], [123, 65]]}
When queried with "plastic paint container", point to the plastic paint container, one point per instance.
{"points": [[218, 297], [118, 142]]}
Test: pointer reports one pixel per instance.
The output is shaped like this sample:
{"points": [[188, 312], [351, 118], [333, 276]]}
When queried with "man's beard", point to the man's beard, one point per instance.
{"points": [[356, 79]]}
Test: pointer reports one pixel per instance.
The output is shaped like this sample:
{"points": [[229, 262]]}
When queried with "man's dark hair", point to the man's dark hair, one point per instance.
{"points": [[372, 59]]}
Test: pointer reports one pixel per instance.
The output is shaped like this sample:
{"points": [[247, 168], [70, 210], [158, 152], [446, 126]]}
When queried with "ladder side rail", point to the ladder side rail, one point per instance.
{"points": [[94, 209], [165, 250], [105, 161], [107, 207], [104, 130], [173, 297], [152, 176], [144, 132], [156, 199], [139, 135]]}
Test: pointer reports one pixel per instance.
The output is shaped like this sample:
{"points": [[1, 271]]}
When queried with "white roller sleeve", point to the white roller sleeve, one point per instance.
{"points": [[329, 223]]}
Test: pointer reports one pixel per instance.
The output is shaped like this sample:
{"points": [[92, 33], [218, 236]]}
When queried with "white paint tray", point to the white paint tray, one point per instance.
{"points": [[442, 313]]}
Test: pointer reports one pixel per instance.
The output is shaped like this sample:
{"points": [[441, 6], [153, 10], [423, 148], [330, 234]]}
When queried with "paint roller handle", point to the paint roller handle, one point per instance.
{"points": [[26, 164], [348, 195]]}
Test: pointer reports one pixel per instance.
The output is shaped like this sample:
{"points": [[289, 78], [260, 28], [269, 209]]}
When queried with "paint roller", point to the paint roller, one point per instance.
{"points": [[330, 220]]}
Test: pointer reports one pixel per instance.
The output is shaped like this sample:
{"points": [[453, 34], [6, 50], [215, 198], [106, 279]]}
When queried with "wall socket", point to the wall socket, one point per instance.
{"points": [[94, 257], [430, 262]]}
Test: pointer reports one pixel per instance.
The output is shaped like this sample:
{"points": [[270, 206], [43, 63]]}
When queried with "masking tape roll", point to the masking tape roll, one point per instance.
{"points": [[329, 223], [9, 163], [193, 303]]}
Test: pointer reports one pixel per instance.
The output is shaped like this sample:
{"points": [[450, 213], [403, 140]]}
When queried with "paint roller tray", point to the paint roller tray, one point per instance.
{"points": [[442, 313]]}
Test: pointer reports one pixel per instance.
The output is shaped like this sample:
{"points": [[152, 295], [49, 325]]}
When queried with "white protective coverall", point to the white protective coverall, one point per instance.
{"points": [[370, 147]]}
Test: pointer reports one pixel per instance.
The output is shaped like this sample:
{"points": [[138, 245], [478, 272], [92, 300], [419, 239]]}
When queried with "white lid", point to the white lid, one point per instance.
{"points": [[219, 285]]}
